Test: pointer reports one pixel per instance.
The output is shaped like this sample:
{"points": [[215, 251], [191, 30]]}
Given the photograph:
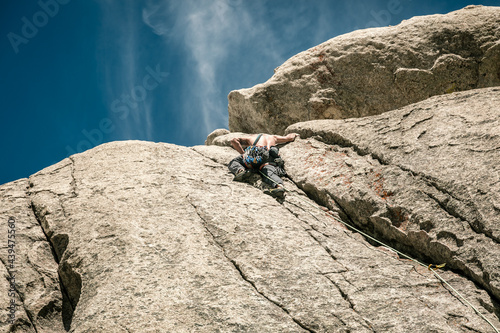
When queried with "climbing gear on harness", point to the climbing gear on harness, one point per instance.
{"points": [[433, 270], [254, 156], [279, 162]]}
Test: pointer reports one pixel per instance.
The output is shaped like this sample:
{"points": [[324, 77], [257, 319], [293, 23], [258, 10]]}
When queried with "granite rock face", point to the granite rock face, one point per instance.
{"points": [[154, 237], [371, 71], [425, 177]]}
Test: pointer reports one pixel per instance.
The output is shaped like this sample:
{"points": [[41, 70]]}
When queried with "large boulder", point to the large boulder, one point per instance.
{"points": [[372, 71], [153, 237]]}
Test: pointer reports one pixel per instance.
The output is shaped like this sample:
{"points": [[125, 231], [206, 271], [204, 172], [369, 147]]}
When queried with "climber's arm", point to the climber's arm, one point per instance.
{"points": [[238, 144], [284, 139]]}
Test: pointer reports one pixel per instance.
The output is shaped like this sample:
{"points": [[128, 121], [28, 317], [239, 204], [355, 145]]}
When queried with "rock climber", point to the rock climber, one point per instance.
{"points": [[259, 152]]}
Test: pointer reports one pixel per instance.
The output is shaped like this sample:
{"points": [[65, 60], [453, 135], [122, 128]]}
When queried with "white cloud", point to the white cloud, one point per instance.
{"points": [[215, 33], [153, 15], [211, 32], [123, 69]]}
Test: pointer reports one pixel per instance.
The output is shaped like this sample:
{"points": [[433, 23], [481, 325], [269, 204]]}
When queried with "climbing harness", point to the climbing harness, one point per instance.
{"points": [[254, 157], [263, 165], [431, 267]]}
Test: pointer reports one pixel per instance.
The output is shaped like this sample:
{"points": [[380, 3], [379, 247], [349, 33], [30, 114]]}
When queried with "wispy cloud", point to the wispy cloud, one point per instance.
{"points": [[211, 32], [206, 30], [154, 15], [226, 42], [123, 68]]}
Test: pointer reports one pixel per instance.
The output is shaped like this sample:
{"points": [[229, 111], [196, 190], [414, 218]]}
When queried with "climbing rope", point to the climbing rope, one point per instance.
{"points": [[429, 267]]}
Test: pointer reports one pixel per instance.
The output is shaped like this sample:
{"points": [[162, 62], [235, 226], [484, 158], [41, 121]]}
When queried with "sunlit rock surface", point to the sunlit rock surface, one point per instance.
{"points": [[370, 71]]}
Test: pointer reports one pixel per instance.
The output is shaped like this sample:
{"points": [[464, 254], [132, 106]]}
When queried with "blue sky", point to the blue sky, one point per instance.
{"points": [[78, 73]]}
